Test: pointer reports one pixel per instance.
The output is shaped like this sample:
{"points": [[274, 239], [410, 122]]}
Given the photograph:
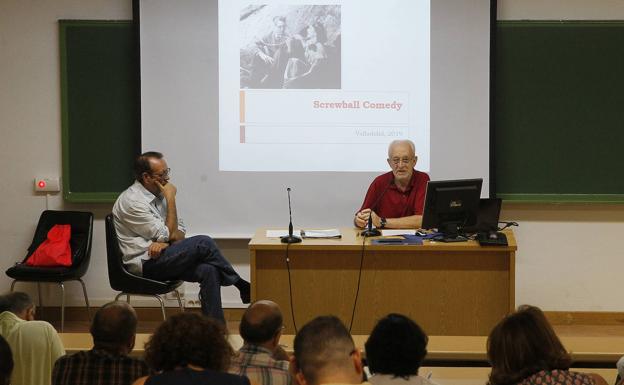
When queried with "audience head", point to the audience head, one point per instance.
{"points": [[114, 327], [524, 343], [397, 346], [325, 353], [18, 303], [262, 324], [6, 362], [188, 339]]}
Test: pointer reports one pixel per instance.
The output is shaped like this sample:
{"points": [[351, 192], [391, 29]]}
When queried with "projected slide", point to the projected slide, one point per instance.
{"points": [[322, 87]]}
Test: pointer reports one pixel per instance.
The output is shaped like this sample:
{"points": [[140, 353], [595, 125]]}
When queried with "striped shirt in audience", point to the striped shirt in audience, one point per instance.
{"points": [[258, 364], [97, 367]]}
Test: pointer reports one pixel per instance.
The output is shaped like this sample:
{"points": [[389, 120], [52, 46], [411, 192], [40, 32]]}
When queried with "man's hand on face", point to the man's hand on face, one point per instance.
{"points": [[168, 190], [156, 248]]}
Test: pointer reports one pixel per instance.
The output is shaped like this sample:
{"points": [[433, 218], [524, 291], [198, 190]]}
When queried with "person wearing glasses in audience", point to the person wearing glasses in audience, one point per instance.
{"points": [[153, 239], [395, 199]]}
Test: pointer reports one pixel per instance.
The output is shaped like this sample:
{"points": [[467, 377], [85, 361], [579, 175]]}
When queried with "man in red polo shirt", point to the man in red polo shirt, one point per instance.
{"points": [[396, 199]]}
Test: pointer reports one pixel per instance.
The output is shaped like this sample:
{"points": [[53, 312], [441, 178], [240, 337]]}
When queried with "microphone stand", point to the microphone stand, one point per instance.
{"points": [[370, 232], [290, 238]]}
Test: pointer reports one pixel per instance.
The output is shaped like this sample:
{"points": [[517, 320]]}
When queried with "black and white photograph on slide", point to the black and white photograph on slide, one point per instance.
{"points": [[290, 46]]}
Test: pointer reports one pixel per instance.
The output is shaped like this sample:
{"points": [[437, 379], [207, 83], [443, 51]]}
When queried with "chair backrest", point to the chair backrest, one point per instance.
{"points": [[116, 270], [122, 280], [81, 235]]}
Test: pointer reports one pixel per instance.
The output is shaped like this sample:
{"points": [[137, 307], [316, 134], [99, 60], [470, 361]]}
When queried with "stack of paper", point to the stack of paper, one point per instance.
{"points": [[324, 234]]}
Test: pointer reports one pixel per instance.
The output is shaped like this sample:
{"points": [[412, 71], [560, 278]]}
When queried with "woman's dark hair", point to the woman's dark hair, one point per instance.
{"points": [[6, 362], [188, 338], [522, 344], [397, 345]]}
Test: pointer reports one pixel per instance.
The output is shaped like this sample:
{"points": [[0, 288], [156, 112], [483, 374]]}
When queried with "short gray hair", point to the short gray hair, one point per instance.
{"points": [[403, 141]]}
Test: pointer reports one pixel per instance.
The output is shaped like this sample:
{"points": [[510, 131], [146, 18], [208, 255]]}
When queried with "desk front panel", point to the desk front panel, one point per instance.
{"points": [[448, 292]]}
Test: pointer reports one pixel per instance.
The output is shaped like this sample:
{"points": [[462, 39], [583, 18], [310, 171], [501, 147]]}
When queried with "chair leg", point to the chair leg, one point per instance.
{"points": [[162, 306], [40, 299], [84, 291], [13, 285], [62, 306], [179, 300], [128, 298]]}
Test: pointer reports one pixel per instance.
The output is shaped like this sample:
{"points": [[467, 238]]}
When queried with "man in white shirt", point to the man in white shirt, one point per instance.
{"points": [[152, 238], [35, 344]]}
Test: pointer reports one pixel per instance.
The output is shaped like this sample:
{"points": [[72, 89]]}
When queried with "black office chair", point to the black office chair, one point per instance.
{"points": [[129, 284], [80, 242]]}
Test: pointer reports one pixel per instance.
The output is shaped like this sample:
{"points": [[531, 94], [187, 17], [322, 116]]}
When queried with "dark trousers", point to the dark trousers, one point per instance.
{"points": [[195, 259]]}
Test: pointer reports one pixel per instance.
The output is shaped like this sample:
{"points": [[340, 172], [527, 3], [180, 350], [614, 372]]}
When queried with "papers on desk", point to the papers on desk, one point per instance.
{"points": [[393, 232], [281, 233], [321, 234], [310, 234]]}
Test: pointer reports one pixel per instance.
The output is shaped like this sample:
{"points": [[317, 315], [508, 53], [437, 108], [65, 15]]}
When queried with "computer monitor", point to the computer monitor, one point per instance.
{"points": [[452, 205]]}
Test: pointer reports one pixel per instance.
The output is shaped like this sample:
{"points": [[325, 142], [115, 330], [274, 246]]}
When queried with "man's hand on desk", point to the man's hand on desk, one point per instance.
{"points": [[361, 218], [156, 248]]}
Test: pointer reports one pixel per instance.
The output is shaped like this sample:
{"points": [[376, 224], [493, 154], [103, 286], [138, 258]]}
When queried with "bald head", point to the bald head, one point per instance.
{"points": [[400, 144], [114, 326], [261, 322]]}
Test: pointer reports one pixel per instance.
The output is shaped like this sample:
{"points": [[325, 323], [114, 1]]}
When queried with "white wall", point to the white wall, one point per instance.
{"points": [[569, 256]]}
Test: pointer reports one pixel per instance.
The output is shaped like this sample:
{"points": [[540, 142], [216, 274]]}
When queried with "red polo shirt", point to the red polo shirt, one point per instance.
{"points": [[396, 203]]}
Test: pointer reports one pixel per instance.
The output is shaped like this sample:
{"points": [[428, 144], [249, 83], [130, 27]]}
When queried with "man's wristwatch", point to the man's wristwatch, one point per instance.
{"points": [[382, 223]]}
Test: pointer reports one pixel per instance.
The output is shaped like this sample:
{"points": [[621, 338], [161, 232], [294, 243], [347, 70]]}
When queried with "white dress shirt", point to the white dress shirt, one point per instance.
{"points": [[139, 218]]}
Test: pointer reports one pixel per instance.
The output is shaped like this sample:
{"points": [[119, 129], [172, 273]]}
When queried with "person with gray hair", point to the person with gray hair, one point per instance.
{"points": [[35, 344], [113, 331], [326, 354], [396, 199]]}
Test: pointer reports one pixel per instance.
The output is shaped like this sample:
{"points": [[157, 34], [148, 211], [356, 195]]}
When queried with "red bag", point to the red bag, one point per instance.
{"points": [[55, 250]]}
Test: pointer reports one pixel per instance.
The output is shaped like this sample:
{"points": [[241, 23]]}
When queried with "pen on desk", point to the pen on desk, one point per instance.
{"points": [[429, 375]]}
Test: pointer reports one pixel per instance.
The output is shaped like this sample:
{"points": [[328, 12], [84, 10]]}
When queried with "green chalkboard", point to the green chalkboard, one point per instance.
{"points": [[100, 110], [559, 111]]}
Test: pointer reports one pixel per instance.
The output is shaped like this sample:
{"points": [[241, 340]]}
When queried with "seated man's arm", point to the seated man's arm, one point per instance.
{"points": [[139, 219], [169, 191], [409, 222]]}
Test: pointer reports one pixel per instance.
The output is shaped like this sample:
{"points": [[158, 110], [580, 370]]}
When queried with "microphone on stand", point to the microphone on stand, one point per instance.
{"points": [[370, 232], [290, 238]]}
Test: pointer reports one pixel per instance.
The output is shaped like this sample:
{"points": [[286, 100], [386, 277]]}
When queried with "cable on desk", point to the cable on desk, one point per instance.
{"points": [[290, 294]]}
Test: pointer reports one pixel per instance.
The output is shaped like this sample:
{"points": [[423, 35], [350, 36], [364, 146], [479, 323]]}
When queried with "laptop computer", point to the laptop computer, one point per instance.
{"points": [[489, 213]]}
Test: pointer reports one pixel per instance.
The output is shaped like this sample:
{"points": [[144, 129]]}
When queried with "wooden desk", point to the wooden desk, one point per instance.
{"points": [[448, 288]]}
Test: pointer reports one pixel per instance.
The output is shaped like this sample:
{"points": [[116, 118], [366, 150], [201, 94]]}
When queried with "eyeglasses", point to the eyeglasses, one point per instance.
{"points": [[397, 161], [164, 174]]}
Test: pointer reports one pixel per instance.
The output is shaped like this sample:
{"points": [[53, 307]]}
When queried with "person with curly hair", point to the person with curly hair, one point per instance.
{"points": [[523, 349], [189, 349], [395, 351]]}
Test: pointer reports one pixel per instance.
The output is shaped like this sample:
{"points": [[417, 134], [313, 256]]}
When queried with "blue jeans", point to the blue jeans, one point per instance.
{"points": [[195, 259]]}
